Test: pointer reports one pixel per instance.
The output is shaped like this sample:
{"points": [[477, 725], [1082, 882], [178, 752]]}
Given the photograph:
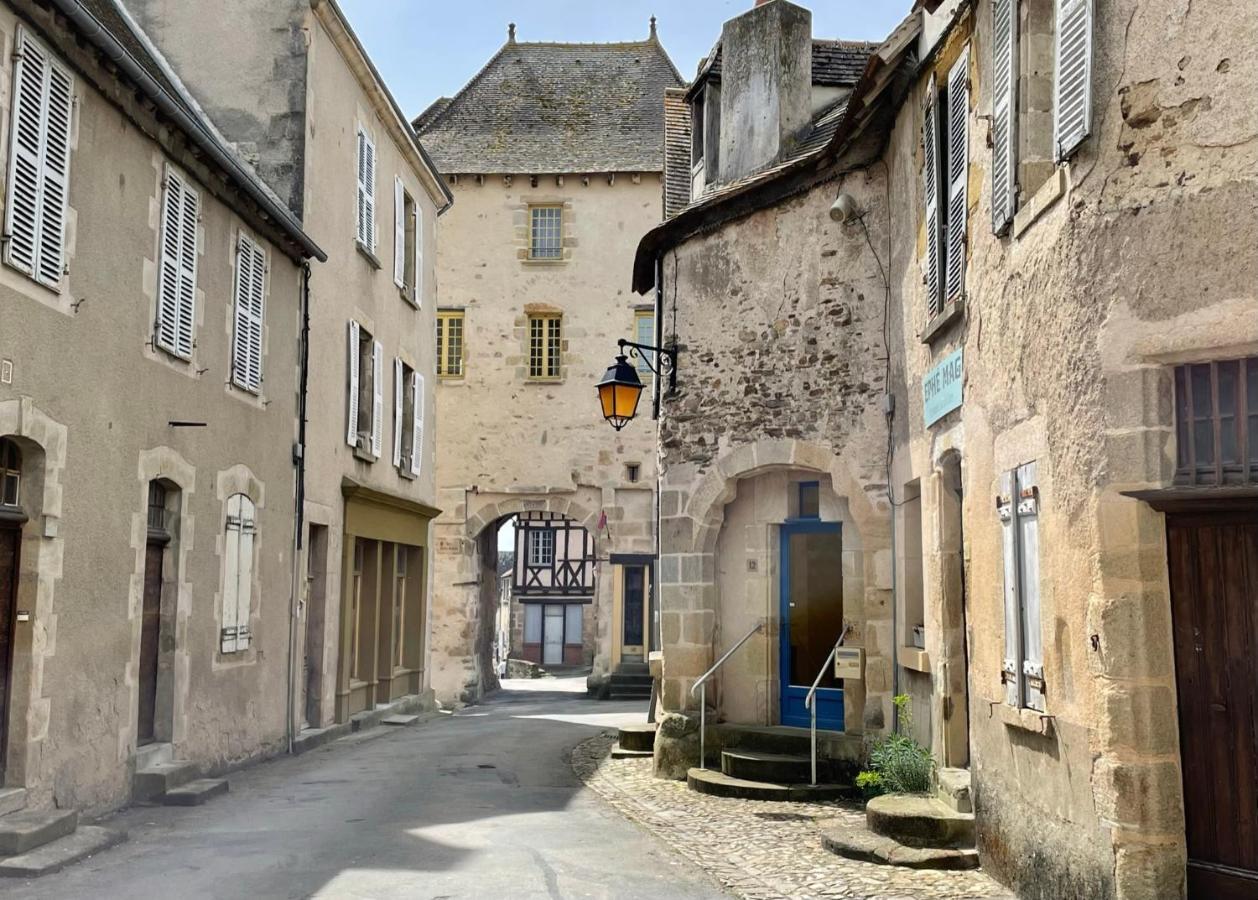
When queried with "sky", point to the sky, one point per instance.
{"points": [[427, 49]]}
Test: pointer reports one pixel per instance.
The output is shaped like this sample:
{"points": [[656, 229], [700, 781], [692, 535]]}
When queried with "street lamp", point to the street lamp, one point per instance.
{"points": [[621, 388]]}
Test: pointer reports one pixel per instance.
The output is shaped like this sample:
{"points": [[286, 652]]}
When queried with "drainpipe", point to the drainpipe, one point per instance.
{"points": [[299, 464]]}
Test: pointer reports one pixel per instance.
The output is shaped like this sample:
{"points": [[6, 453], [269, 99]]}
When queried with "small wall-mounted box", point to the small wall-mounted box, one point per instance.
{"points": [[849, 662]]}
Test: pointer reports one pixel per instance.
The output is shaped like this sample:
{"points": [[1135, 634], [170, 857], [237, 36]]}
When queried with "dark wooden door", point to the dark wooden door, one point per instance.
{"points": [[635, 607], [1214, 599], [10, 543], [150, 634]]}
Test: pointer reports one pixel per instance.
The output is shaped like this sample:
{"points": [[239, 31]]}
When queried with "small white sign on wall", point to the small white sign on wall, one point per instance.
{"points": [[849, 662]]}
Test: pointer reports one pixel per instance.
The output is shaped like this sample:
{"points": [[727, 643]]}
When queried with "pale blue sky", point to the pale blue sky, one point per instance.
{"points": [[431, 48]]}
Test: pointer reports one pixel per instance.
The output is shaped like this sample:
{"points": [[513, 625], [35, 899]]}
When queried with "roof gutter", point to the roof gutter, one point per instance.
{"points": [[98, 35]]}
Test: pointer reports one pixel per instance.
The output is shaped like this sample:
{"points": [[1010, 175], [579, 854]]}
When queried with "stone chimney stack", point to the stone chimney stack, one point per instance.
{"points": [[766, 86]]}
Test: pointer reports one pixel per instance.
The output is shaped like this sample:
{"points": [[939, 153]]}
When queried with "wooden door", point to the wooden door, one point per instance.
{"points": [[316, 596], [812, 622], [150, 633], [10, 543], [634, 630], [1214, 599], [552, 630]]}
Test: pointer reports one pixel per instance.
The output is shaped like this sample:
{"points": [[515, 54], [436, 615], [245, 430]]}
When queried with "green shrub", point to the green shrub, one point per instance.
{"points": [[897, 763]]}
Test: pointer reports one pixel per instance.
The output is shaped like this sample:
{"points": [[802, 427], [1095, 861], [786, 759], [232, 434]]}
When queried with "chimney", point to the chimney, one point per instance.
{"points": [[766, 86]]}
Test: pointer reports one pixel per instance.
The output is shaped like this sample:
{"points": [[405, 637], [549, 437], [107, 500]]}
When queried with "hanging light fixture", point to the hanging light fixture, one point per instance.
{"points": [[621, 389]]}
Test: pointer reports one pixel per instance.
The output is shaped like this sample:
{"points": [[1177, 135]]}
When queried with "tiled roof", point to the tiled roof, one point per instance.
{"points": [[677, 177], [834, 63], [436, 108], [542, 108]]}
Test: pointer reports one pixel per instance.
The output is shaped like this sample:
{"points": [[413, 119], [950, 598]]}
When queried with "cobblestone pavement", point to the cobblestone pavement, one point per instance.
{"points": [[760, 850]]}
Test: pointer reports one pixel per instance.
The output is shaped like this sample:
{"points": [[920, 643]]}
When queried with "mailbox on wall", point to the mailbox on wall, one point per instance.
{"points": [[849, 662]]}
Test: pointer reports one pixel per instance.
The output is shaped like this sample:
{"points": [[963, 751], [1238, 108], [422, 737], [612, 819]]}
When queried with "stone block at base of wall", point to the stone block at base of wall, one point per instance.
{"points": [[677, 746]]}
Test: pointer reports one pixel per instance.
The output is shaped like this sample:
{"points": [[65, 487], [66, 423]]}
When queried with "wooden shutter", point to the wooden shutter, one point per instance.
{"points": [[177, 272], [417, 428], [1072, 82], [398, 418], [399, 233], [930, 188], [366, 191], [1011, 666], [1028, 511], [377, 399], [39, 163], [351, 427], [238, 548], [958, 138], [1004, 113], [419, 255], [250, 315]]}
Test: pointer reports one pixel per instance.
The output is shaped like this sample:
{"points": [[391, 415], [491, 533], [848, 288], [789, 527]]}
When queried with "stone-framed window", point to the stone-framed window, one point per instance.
{"points": [[1216, 423], [546, 232], [10, 474], [451, 350], [545, 346], [365, 393]]}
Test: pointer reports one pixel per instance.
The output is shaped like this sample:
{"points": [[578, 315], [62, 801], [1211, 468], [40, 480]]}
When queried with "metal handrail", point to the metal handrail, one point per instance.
{"points": [[702, 685], [810, 702]]}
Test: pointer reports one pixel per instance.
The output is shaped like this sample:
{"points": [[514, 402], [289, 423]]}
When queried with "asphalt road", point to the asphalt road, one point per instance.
{"points": [[482, 803]]}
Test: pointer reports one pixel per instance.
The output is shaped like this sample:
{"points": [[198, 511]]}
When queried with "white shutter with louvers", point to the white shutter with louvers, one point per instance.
{"points": [[177, 272], [351, 425], [930, 187], [1028, 508], [377, 399], [398, 412], [1010, 670], [419, 255], [958, 141], [399, 233], [1004, 113], [417, 430], [238, 545], [39, 163], [250, 315], [366, 190], [1072, 81]]}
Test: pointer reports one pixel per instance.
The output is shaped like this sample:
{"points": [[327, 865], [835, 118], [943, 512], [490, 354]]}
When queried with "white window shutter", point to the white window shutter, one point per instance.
{"points": [[958, 132], [244, 594], [168, 269], [398, 418], [1028, 508], [231, 577], [1004, 113], [56, 177], [1072, 82], [250, 315], [930, 188], [351, 427], [1010, 670], [419, 254], [399, 233], [417, 432], [366, 190], [377, 399], [186, 321]]}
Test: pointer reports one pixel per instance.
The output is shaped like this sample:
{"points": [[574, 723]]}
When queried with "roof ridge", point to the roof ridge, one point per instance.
{"points": [[428, 126]]}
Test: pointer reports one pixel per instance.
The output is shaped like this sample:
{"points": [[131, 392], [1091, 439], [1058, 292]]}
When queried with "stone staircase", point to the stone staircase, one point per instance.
{"points": [[917, 831], [774, 763], [632, 681], [161, 779], [41, 842]]}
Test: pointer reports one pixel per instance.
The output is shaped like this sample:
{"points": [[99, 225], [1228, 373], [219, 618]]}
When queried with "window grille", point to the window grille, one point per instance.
{"points": [[10, 473], [1216, 423], [546, 232]]}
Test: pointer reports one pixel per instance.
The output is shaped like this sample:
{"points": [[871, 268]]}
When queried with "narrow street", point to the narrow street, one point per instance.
{"points": [[483, 803]]}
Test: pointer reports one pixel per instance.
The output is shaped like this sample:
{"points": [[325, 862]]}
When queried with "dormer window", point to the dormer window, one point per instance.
{"points": [[696, 129]]}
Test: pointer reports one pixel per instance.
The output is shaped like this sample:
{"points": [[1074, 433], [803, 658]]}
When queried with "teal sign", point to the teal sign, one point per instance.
{"points": [[941, 388]]}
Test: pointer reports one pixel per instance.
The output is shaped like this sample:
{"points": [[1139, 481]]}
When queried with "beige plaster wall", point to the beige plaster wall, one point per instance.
{"points": [[90, 404], [506, 440]]}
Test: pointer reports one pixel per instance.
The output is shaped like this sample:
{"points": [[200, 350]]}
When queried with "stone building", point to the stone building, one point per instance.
{"points": [[153, 292], [1021, 371], [296, 92], [555, 155]]}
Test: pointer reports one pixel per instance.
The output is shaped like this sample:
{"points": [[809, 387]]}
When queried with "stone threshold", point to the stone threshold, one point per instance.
{"points": [[413, 705]]}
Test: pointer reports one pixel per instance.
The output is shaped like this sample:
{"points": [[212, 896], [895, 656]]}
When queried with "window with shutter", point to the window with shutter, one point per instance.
{"points": [[1022, 671], [399, 414], [958, 152], [351, 417], [177, 272], [238, 549], [366, 191], [418, 280], [39, 163], [377, 399], [417, 427], [399, 233], [1004, 113], [250, 315], [1072, 95], [930, 191]]}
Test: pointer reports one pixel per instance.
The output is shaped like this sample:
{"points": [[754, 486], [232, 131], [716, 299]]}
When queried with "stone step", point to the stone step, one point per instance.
{"points": [[21, 832], [151, 783], [616, 693], [622, 678], [779, 768], [149, 755], [718, 784], [400, 721], [12, 800], [919, 821], [619, 752], [952, 786], [633, 668], [638, 737], [55, 856], [847, 752], [196, 792], [855, 842]]}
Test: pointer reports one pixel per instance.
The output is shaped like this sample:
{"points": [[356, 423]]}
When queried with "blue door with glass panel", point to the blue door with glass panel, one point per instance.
{"points": [[812, 620]]}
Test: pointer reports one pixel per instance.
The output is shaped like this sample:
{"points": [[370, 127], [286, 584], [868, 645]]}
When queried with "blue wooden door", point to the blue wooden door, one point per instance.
{"points": [[812, 620]]}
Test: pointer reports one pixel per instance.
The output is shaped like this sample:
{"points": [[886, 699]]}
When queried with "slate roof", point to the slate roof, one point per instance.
{"points": [[677, 169], [834, 63], [549, 108]]}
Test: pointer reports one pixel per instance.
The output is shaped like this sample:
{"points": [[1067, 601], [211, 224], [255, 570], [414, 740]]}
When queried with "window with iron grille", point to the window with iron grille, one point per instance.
{"points": [[1216, 422], [450, 344], [545, 346], [546, 232], [10, 473]]}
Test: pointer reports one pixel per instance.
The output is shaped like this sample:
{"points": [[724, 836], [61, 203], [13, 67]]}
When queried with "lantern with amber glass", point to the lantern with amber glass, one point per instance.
{"points": [[619, 392]]}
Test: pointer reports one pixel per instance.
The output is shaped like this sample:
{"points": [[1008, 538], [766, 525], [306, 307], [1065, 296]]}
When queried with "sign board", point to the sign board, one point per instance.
{"points": [[941, 388], [849, 662]]}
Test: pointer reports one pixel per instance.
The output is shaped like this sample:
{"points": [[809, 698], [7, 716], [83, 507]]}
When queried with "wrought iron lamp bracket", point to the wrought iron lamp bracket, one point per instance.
{"points": [[662, 361]]}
